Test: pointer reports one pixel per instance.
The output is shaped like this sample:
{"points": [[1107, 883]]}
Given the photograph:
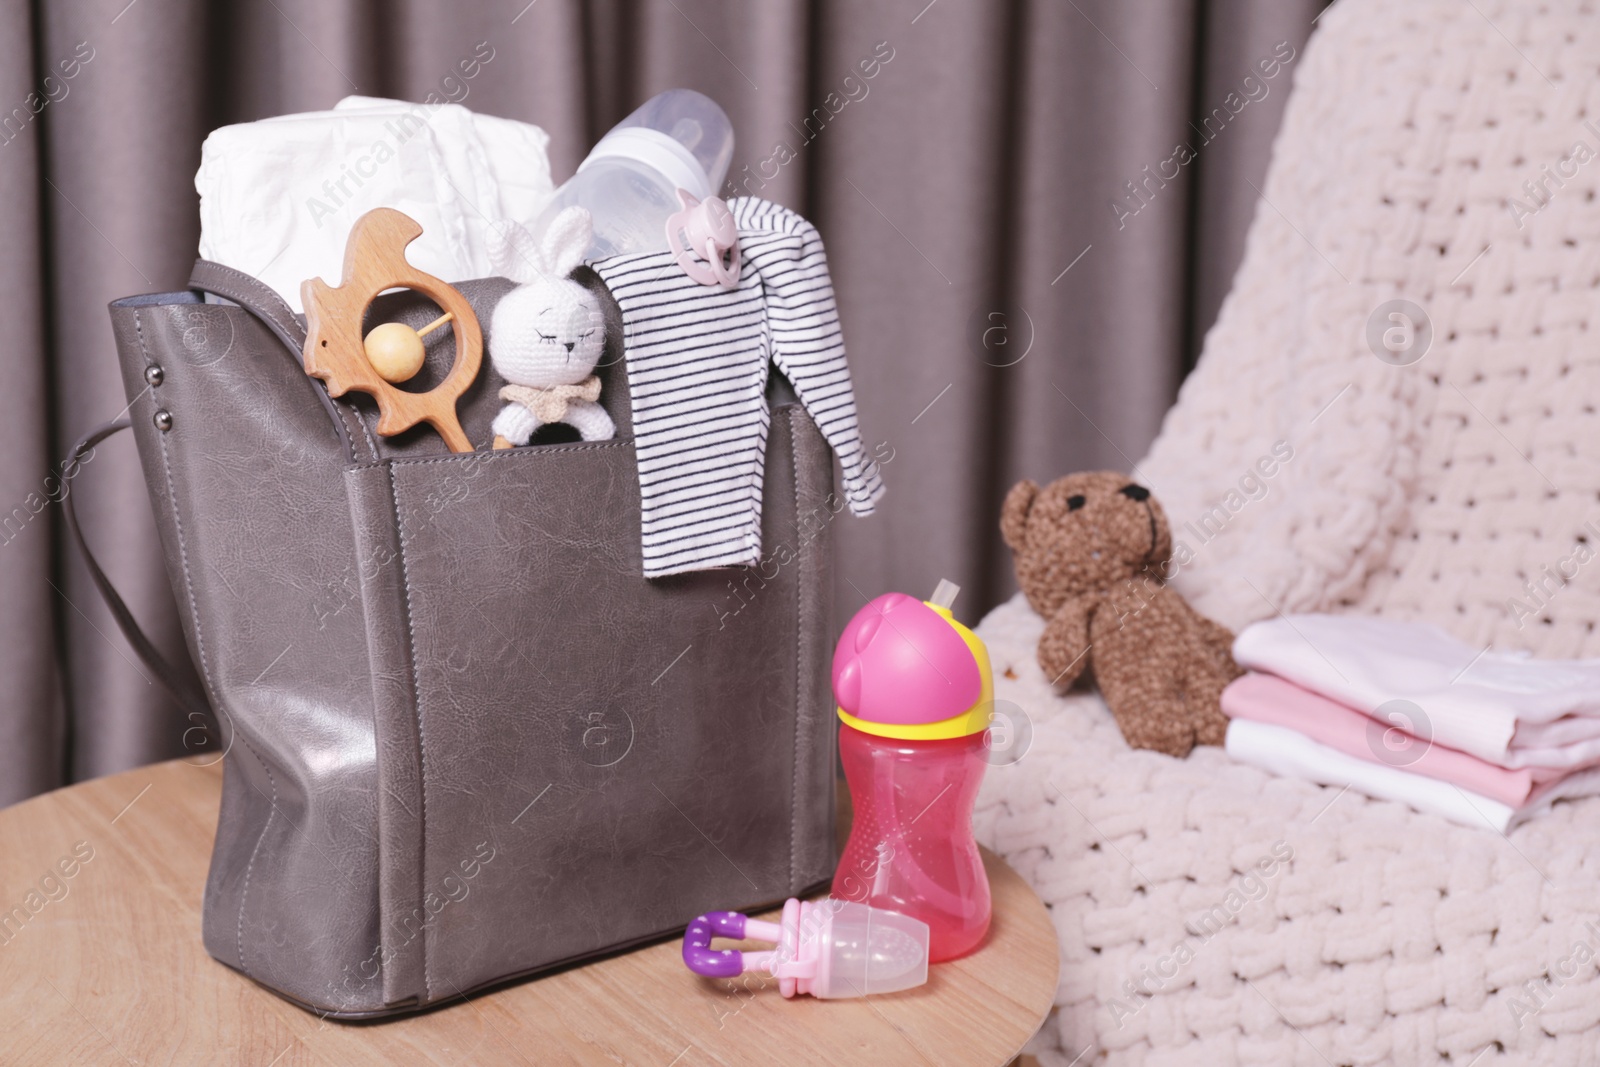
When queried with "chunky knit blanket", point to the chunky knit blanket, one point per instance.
{"points": [[1440, 152]]}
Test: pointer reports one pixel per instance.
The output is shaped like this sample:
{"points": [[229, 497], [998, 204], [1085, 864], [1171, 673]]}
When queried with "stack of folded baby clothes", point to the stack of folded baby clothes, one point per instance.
{"points": [[1405, 712]]}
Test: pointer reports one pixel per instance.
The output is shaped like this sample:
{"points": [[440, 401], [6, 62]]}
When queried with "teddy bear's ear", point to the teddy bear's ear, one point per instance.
{"points": [[514, 253], [567, 239], [1014, 513]]}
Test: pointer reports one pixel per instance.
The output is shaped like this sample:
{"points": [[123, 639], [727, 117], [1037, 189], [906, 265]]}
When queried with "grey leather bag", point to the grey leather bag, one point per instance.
{"points": [[466, 739]]}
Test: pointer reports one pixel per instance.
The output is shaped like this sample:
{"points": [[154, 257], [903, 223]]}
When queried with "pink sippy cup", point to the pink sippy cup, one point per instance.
{"points": [[915, 694]]}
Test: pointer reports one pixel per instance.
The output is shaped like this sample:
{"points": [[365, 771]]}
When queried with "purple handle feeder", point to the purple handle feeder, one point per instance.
{"points": [[827, 948]]}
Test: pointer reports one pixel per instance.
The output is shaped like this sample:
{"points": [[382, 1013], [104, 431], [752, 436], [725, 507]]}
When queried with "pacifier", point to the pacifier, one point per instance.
{"points": [[827, 948], [708, 228]]}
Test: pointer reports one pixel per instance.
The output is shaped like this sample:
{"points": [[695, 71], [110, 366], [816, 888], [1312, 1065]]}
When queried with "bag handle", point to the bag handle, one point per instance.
{"points": [[254, 296], [274, 312], [266, 305], [177, 684]]}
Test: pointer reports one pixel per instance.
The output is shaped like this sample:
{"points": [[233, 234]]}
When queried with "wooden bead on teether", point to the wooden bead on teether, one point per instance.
{"points": [[395, 351]]}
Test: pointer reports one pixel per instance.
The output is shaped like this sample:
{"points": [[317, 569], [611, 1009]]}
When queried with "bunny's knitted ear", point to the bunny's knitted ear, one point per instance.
{"points": [[567, 240], [513, 253]]}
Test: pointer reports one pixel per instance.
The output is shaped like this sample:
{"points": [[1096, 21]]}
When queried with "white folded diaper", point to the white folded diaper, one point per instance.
{"points": [[278, 197]]}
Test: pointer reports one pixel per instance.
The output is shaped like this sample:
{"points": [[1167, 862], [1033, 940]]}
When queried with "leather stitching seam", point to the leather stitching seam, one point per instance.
{"points": [[205, 670], [508, 453], [366, 431], [800, 659], [416, 703], [346, 413]]}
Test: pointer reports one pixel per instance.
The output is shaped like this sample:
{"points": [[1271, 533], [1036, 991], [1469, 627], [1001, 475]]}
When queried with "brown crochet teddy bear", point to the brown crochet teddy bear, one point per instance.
{"points": [[1090, 550]]}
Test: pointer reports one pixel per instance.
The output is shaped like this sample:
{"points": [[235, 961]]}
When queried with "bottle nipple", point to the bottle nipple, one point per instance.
{"points": [[687, 132]]}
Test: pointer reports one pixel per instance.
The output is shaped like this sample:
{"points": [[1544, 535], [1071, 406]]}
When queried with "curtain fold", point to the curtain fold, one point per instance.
{"points": [[964, 160], [32, 725]]}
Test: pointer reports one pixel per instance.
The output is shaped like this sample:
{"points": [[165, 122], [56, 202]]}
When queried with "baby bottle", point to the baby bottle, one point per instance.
{"points": [[915, 692], [679, 139]]}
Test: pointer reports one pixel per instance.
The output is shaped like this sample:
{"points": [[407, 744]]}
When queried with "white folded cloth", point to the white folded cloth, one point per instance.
{"points": [[278, 196], [1508, 709], [1567, 730], [1291, 754]]}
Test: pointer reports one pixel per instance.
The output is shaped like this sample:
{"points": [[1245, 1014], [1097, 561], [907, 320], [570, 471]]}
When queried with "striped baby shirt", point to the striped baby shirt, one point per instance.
{"points": [[697, 362]]}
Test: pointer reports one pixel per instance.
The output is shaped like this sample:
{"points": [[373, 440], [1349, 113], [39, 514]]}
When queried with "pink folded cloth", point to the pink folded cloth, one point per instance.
{"points": [[1504, 707], [1269, 699]]}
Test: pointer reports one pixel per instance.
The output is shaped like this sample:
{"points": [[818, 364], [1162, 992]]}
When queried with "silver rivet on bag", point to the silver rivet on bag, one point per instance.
{"points": [[163, 421], [154, 374]]}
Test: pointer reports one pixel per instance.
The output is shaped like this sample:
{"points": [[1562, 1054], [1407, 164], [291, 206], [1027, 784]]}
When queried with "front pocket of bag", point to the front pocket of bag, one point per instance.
{"points": [[598, 756]]}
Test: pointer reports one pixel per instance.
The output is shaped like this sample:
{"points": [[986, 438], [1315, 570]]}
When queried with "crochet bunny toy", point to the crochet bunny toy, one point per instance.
{"points": [[548, 333], [1089, 551]]}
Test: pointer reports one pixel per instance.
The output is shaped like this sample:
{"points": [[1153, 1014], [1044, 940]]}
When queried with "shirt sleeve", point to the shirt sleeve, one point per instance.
{"points": [[803, 333]]}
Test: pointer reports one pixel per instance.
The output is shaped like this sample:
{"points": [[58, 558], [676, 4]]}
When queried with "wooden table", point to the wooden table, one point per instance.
{"points": [[111, 971]]}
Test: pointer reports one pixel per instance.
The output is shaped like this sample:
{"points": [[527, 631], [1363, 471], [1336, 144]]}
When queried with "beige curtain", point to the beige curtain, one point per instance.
{"points": [[1020, 294]]}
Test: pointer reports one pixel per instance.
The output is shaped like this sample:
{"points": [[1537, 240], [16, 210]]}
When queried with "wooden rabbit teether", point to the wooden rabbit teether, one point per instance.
{"points": [[374, 261]]}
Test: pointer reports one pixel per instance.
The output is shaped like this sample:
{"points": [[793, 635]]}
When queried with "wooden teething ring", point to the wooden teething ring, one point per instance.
{"points": [[374, 261]]}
